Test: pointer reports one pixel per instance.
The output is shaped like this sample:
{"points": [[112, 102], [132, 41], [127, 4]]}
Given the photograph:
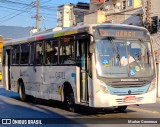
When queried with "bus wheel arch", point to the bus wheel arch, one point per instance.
{"points": [[65, 86], [25, 97], [68, 97]]}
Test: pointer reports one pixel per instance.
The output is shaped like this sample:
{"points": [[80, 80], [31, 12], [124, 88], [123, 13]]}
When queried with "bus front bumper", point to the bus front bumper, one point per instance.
{"points": [[101, 100]]}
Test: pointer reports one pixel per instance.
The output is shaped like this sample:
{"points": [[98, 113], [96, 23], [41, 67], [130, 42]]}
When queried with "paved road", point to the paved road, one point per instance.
{"points": [[12, 107]]}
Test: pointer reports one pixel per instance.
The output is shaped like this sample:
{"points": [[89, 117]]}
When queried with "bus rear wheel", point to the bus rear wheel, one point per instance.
{"points": [[121, 108], [70, 102], [21, 90], [22, 94]]}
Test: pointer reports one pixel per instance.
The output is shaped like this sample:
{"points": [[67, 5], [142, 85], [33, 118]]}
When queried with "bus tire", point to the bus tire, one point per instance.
{"points": [[70, 101], [121, 108], [21, 90]]}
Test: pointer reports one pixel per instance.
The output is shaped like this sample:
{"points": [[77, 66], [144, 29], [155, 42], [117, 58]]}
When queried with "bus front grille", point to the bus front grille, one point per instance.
{"points": [[127, 85]]}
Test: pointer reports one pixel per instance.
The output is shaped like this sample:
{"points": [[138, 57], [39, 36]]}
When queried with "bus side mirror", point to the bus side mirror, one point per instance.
{"points": [[92, 47]]}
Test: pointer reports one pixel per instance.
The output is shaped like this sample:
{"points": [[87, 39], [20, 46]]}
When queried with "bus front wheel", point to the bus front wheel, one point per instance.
{"points": [[70, 102], [120, 108]]}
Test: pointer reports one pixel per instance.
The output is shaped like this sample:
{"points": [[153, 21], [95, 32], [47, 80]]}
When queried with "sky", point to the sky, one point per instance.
{"points": [[22, 12]]}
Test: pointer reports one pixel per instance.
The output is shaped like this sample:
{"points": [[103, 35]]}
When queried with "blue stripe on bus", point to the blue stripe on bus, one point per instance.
{"points": [[74, 76], [124, 91]]}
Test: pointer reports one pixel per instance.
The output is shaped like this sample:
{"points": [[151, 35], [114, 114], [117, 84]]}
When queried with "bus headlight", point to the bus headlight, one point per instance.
{"points": [[152, 85], [103, 87]]}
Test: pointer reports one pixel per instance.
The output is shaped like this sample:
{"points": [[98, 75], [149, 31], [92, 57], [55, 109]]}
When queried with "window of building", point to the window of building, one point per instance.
{"points": [[51, 52], [39, 53], [60, 15], [123, 4], [25, 49], [67, 53], [15, 54], [130, 2]]}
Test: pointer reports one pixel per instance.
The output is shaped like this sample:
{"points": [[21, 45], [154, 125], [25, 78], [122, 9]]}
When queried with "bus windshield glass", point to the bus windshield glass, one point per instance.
{"points": [[124, 58]]}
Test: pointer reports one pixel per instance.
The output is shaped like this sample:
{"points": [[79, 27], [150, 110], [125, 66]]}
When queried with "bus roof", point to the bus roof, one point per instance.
{"points": [[64, 32]]}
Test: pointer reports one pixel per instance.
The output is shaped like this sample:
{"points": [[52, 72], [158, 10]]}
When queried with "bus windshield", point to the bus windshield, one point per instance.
{"points": [[124, 58]]}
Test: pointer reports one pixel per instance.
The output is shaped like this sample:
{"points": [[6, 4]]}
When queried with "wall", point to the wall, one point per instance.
{"points": [[97, 17], [137, 3], [64, 14]]}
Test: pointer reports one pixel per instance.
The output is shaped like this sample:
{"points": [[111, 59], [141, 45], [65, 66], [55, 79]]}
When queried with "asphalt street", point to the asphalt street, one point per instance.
{"points": [[12, 107]]}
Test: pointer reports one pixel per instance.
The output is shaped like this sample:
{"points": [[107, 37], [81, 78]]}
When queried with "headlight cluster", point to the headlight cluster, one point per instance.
{"points": [[152, 85], [103, 87]]}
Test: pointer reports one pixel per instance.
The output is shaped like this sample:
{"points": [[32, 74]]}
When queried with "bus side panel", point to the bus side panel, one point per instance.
{"points": [[33, 77], [15, 75], [54, 78]]}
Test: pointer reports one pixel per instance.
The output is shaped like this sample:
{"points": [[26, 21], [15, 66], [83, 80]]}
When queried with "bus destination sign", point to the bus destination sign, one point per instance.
{"points": [[121, 33]]}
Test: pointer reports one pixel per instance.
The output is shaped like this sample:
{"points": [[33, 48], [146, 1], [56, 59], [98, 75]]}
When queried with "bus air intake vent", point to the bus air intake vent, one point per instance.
{"points": [[127, 85]]}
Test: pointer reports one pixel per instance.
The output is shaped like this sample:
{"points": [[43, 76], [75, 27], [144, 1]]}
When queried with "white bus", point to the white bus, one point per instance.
{"points": [[100, 65]]}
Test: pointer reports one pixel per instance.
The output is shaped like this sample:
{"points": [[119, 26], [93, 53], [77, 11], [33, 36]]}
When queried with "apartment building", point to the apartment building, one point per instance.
{"points": [[123, 11], [71, 14]]}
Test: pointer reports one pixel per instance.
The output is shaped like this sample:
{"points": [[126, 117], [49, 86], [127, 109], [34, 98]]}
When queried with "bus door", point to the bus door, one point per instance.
{"points": [[7, 67], [83, 49]]}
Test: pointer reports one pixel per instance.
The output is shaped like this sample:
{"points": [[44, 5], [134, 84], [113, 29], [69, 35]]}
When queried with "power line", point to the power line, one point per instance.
{"points": [[11, 8], [11, 17], [18, 4], [44, 2], [19, 7], [12, 2], [16, 10], [26, 11]]}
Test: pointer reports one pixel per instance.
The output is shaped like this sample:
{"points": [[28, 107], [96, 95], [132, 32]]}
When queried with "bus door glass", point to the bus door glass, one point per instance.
{"points": [[83, 51]]}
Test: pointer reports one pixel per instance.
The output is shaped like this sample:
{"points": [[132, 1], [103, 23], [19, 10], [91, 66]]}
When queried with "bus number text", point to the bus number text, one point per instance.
{"points": [[60, 75]]}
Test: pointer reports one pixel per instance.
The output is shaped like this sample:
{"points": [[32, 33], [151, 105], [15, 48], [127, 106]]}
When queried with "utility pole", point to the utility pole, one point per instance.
{"points": [[37, 16], [148, 15]]}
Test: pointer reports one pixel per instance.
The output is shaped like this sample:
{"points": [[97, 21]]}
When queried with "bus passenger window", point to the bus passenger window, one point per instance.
{"points": [[47, 51], [67, 53], [15, 54], [25, 48], [39, 53], [51, 52]]}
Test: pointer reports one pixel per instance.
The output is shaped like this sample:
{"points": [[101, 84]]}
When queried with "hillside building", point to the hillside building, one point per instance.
{"points": [[71, 14]]}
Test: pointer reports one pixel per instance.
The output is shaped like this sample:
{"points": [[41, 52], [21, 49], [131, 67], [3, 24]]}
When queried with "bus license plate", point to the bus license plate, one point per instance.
{"points": [[129, 98]]}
